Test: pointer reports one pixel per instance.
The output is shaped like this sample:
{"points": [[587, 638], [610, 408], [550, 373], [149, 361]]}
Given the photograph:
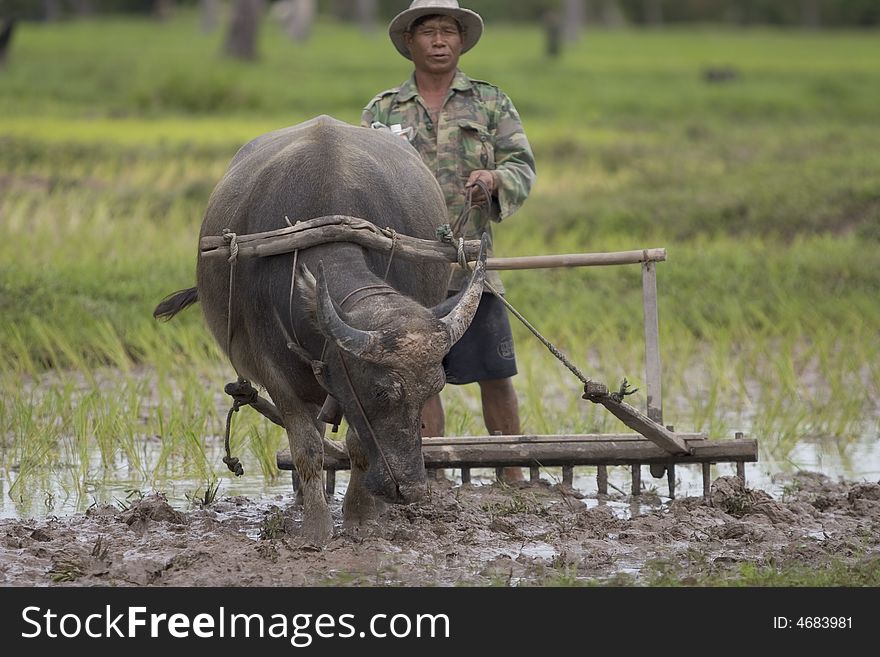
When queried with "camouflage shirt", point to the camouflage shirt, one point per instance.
{"points": [[477, 128]]}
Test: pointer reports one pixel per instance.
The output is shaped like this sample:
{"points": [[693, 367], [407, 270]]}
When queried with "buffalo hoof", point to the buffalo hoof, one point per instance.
{"points": [[410, 493], [318, 529], [358, 510]]}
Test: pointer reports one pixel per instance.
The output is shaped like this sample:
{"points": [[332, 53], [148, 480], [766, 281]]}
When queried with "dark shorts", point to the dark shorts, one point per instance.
{"points": [[485, 351]]}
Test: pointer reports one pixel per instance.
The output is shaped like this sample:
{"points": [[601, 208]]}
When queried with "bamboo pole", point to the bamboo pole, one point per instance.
{"points": [[577, 260], [343, 228]]}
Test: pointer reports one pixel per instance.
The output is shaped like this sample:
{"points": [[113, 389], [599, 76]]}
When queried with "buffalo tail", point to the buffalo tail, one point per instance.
{"points": [[175, 302]]}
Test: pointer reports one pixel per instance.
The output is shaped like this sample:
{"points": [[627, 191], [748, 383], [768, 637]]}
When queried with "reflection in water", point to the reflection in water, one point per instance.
{"points": [[54, 492]]}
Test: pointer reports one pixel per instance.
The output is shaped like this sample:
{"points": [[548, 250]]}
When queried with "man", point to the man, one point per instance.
{"points": [[470, 136]]}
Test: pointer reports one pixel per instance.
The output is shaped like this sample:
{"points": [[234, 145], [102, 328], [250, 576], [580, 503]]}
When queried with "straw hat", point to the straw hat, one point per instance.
{"points": [[470, 21]]}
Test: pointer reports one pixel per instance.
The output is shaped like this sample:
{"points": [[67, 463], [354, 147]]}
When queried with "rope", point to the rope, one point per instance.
{"points": [[232, 462], [462, 261], [232, 240], [553, 350], [470, 206], [367, 422], [393, 247], [243, 394]]}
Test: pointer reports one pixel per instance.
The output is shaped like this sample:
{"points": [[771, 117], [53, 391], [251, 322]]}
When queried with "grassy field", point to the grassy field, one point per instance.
{"points": [[765, 191]]}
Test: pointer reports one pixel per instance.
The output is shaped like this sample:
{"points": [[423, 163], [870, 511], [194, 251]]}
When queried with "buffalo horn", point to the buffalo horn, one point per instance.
{"points": [[461, 316], [363, 344]]}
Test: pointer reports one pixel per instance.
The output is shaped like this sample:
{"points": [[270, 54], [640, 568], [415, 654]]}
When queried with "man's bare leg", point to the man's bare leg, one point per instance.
{"points": [[501, 414]]}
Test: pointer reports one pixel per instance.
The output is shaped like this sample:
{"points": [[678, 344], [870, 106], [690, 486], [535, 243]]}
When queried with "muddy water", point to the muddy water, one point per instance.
{"points": [[59, 492], [55, 494]]}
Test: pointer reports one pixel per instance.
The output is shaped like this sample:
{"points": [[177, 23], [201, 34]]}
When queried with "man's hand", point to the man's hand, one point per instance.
{"points": [[489, 179]]}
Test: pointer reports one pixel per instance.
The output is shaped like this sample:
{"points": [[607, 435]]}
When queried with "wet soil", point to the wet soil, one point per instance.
{"points": [[473, 535]]}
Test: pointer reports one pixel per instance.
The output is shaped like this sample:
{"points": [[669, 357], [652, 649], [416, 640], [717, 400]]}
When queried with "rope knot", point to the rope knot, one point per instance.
{"points": [[462, 256], [234, 465], [232, 241], [242, 393]]}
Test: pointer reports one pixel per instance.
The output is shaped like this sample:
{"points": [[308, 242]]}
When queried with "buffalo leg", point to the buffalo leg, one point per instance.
{"points": [[359, 505], [307, 450]]}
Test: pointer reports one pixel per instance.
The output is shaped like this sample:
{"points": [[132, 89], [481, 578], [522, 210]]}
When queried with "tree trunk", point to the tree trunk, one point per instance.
{"points": [[84, 7], [811, 14], [343, 10], [6, 30], [738, 13], [163, 9], [365, 14], [574, 13], [51, 10], [209, 11], [553, 33], [612, 14], [241, 39], [297, 17], [653, 12]]}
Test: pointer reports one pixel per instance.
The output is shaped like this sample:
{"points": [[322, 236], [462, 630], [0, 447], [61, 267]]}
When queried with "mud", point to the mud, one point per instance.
{"points": [[472, 535]]}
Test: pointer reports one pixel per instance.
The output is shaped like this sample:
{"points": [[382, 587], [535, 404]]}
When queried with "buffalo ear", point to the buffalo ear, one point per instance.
{"points": [[308, 288]]}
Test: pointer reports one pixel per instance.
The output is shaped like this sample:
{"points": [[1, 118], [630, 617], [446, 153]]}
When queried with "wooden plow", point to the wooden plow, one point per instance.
{"points": [[653, 444]]}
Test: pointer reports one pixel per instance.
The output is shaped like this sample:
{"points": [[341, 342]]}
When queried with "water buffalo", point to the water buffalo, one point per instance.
{"points": [[336, 323]]}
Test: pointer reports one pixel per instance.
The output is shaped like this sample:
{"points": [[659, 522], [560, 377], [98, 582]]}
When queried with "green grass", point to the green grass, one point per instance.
{"points": [[763, 190], [835, 573]]}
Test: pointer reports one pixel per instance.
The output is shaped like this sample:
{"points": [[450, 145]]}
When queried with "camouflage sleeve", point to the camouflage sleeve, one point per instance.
{"points": [[514, 161], [377, 109]]}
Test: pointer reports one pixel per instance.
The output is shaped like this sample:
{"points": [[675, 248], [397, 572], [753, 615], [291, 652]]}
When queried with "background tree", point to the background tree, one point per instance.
{"points": [[574, 15], [83, 8], [362, 12], [295, 17], [209, 15], [7, 27], [365, 14], [163, 9], [653, 12], [51, 10], [300, 19], [612, 14], [241, 38], [810, 13]]}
